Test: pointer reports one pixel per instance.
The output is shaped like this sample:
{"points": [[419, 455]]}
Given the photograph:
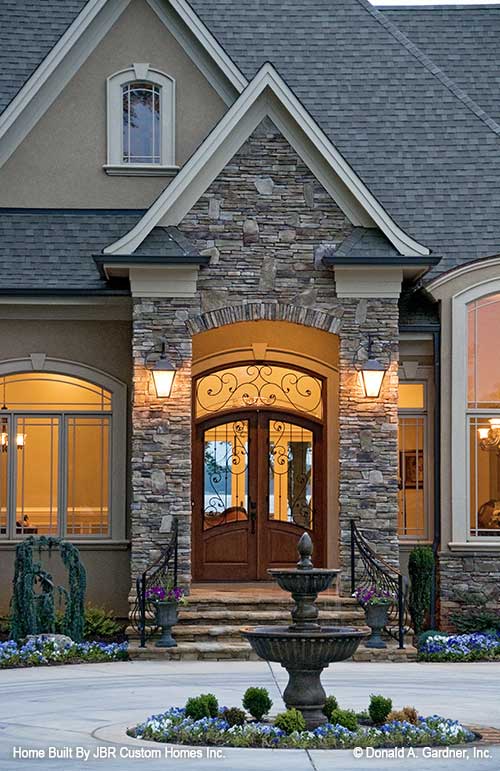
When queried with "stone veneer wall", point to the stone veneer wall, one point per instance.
{"points": [[264, 222], [468, 582]]}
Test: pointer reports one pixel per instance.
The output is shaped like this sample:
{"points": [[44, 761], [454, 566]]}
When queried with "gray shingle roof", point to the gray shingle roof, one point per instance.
{"points": [[52, 249], [463, 40], [420, 148], [428, 153], [28, 31]]}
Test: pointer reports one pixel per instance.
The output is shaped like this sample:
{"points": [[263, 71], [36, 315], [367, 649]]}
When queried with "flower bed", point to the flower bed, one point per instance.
{"points": [[462, 647], [38, 652], [173, 726]]}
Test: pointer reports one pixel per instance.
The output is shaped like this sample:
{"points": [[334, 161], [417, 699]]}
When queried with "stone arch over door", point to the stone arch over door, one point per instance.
{"points": [[288, 338], [266, 311]]}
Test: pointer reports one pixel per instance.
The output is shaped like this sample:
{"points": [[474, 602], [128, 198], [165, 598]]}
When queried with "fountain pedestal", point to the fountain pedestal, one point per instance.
{"points": [[304, 648]]}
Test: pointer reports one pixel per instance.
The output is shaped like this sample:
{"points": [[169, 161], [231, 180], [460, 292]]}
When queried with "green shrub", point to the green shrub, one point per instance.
{"points": [[257, 702], [331, 703], [379, 708], [479, 620], [204, 705], [290, 721], [421, 569], [344, 717], [100, 623], [4, 625], [234, 716]]}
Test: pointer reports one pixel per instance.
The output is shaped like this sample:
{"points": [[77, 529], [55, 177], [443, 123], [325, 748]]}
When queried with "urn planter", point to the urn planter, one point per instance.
{"points": [[376, 619], [166, 618]]}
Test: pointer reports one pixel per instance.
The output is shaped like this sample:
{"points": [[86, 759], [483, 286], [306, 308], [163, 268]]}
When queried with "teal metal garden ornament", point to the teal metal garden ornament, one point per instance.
{"points": [[33, 598]]}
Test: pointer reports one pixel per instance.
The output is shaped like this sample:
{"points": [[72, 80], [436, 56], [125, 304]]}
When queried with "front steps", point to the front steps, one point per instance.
{"points": [[209, 625]]}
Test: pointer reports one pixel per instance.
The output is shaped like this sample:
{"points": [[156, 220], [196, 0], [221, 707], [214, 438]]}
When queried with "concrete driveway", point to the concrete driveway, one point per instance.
{"points": [[74, 710]]}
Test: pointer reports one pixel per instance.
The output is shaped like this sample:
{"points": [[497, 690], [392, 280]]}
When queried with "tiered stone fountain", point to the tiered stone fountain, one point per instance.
{"points": [[305, 647]]}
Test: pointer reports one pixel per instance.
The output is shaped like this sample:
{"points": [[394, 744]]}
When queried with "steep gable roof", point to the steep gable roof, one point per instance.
{"points": [[29, 29], [423, 148], [267, 95], [428, 153]]}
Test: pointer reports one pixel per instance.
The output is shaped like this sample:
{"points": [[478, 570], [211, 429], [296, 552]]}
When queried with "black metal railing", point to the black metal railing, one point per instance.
{"points": [[369, 569], [159, 572]]}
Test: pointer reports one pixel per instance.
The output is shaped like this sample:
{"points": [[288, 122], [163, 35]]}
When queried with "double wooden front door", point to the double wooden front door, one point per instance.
{"points": [[257, 486]]}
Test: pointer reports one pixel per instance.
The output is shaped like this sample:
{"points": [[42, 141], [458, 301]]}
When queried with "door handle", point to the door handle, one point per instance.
{"points": [[253, 515]]}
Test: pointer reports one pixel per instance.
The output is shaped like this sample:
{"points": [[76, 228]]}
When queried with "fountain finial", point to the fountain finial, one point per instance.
{"points": [[305, 549]]}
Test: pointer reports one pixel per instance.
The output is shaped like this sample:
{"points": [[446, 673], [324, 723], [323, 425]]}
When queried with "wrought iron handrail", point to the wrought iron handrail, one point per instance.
{"points": [[158, 571], [376, 571]]}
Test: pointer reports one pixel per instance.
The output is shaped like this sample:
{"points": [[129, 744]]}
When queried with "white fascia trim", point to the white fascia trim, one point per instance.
{"points": [[462, 270], [267, 78], [213, 61], [65, 49]]}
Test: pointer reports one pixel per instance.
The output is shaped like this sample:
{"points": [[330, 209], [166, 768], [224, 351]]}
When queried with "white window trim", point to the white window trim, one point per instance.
{"points": [[115, 165], [461, 536], [117, 514]]}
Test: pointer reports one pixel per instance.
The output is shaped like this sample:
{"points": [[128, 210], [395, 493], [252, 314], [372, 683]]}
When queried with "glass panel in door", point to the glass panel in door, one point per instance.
{"points": [[37, 475], [290, 474], [225, 483], [88, 459]]}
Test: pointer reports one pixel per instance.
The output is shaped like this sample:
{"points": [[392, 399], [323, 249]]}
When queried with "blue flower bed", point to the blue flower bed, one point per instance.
{"points": [[40, 652], [478, 646], [174, 727]]}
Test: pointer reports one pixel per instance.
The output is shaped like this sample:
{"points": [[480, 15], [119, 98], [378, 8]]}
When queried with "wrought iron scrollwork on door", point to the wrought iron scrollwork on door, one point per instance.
{"points": [[226, 474], [259, 385], [290, 470]]}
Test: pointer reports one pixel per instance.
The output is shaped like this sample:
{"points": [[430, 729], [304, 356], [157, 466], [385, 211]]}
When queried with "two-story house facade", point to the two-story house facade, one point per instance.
{"points": [[250, 278]]}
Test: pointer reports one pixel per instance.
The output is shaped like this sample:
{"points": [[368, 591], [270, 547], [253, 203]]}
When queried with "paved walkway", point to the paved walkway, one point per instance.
{"points": [[89, 706]]}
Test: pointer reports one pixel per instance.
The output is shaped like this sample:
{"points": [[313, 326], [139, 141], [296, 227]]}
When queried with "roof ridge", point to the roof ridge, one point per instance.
{"points": [[430, 65]]}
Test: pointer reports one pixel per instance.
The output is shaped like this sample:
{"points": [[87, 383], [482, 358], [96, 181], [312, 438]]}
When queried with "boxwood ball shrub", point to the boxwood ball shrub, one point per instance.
{"points": [[234, 716], [290, 721], [344, 717], [331, 703], [204, 705], [257, 702], [379, 709], [174, 727], [421, 570]]}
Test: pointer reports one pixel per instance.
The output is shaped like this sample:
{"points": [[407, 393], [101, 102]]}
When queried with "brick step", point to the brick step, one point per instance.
{"points": [[217, 651], [391, 653], [244, 602], [199, 651], [258, 616]]}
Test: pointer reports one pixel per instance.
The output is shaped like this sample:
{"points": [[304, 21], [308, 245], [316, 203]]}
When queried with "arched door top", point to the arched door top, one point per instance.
{"points": [[259, 385]]}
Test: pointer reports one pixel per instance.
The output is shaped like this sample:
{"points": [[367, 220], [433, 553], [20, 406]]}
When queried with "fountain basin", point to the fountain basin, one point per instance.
{"points": [[307, 582], [295, 650]]}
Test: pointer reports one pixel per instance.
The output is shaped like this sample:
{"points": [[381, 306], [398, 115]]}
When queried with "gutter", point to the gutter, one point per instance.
{"points": [[105, 261]]}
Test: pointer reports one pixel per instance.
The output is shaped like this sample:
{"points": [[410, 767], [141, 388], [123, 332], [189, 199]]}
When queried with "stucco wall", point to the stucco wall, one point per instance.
{"points": [[104, 345], [60, 163], [262, 220]]}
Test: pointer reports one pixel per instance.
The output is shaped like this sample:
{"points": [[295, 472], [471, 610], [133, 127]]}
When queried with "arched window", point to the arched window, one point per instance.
{"points": [[60, 438], [141, 125]]}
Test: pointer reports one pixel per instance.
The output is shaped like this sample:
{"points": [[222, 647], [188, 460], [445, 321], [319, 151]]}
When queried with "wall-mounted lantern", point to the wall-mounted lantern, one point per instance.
{"points": [[371, 374], [163, 371]]}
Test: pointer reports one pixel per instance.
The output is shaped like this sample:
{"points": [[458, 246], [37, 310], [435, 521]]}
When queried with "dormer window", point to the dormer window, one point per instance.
{"points": [[141, 125]]}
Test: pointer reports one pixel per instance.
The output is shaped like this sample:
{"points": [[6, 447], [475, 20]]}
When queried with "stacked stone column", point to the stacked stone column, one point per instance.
{"points": [[161, 434]]}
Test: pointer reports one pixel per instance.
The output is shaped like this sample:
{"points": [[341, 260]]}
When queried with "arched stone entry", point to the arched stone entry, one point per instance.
{"points": [[262, 393]]}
